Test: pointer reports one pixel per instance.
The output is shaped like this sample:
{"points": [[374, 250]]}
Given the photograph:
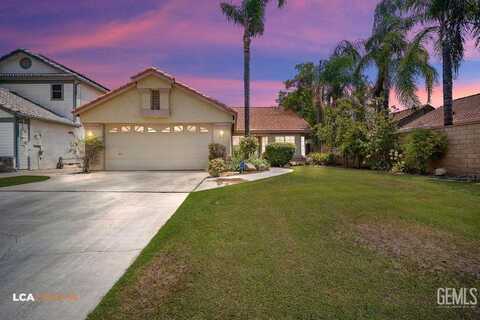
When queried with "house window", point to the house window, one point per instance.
{"points": [[155, 100], [264, 144], [192, 129], [203, 130], [125, 129], [287, 139], [139, 129], [178, 129], [56, 92]]}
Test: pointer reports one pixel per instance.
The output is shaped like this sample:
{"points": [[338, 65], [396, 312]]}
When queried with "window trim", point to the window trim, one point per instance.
{"points": [[62, 92]]}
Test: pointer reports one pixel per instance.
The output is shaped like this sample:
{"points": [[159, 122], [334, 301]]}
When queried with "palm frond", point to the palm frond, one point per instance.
{"points": [[233, 13]]}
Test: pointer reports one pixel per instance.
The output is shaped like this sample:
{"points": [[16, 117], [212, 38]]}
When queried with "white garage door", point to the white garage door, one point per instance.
{"points": [[155, 147]]}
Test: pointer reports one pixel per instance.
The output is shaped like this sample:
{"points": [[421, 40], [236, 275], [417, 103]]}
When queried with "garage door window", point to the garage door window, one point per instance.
{"points": [[166, 130], [125, 128], [139, 129], [203, 130], [192, 129], [178, 129], [151, 130], [114, 130]]}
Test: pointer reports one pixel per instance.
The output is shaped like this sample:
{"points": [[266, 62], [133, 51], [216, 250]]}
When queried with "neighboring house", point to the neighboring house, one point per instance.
{"points": [[273, 124], [37, 99], [463, 155], [155, 122], [405, 116]]}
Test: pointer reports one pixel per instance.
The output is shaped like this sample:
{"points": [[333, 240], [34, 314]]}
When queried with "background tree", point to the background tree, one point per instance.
{"points": [[250, 14], [449, 22], [398, 62]]}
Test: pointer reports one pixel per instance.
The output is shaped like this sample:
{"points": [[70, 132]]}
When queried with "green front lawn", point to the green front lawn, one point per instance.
{"points": [[320, 243], [12, 181]]}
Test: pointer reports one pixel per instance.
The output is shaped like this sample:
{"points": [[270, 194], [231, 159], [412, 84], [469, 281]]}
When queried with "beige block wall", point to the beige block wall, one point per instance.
{"points": [[271, 139], [463, 155]]}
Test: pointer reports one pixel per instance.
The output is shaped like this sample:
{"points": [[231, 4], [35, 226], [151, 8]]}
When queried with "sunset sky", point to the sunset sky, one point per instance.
{"points": [[110, 40]]}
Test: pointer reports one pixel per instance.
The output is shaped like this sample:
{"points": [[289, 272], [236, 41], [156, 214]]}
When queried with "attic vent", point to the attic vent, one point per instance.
{"points": [[26, 63]]}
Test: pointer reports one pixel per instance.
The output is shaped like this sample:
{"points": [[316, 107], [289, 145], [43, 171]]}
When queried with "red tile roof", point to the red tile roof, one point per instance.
{"points": [[465, 110], [271, 120]]}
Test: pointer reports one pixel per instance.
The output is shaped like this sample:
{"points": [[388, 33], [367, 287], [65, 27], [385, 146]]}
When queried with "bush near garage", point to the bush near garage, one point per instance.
{"points": [[279, 154], [216, 167], [216, 150]]}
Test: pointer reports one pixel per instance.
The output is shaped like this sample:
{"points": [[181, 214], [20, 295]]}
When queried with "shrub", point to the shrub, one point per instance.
{"points": [[216, 166], [216, 150], [381, 139], [279, 154], [92, 148], [421, 146], [321, 158], [234, 162], [248, 146], [259, 163]]}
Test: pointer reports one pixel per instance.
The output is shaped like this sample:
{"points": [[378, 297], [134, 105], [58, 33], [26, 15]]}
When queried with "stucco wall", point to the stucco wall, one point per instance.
{"points": [[86, 94], [185, 107], [54, 139], [40, 93], [463, 155]]}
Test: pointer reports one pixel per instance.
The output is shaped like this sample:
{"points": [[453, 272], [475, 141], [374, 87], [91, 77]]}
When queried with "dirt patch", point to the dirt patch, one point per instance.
{"points": [[227, 182], [429, 250], [160, 279]]}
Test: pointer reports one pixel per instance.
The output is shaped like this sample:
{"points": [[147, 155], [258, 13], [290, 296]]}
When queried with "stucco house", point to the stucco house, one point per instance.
{"points": [[155, 122], [37, 98], [273, 124]]}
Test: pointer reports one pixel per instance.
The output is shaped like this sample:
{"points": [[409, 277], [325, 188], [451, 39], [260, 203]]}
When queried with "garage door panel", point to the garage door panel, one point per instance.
{"points": [[157, 151]]}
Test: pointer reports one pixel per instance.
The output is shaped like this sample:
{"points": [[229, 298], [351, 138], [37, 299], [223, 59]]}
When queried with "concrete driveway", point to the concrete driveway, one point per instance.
{"points": [[67, 244]]}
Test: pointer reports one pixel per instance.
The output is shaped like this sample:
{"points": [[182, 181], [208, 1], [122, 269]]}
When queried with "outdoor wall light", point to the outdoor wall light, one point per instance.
{"points": [[89, 134], [221, 133]]}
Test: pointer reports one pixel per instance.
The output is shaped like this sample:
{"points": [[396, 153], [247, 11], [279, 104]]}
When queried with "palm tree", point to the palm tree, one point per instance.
{"points": [[250, 14], [449, 22], [398, 61]]}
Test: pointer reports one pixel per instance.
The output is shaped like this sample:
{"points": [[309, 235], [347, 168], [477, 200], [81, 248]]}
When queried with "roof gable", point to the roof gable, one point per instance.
{"points": [[51, 67], [151, 71]]}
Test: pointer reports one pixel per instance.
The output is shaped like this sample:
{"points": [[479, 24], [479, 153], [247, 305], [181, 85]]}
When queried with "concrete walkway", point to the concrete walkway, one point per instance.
{"points": [[213, 183], [68, 247]]}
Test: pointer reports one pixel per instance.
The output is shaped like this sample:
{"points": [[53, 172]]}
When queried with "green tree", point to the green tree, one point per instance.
{"points": [[448, 22], [398, 61], [250, 14]]}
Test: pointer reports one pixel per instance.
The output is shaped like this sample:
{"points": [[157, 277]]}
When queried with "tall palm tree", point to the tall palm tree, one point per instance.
{"points": [[250, 14], [398, 61], [449, 22]]}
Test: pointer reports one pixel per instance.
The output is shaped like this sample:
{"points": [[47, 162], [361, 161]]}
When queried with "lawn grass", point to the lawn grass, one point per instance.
{"points": [[289, 248], [12, 181]]}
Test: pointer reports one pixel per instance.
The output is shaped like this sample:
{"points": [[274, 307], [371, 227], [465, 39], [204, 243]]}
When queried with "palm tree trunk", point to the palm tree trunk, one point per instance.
{"points": [[246, 79], [447, 84]]}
